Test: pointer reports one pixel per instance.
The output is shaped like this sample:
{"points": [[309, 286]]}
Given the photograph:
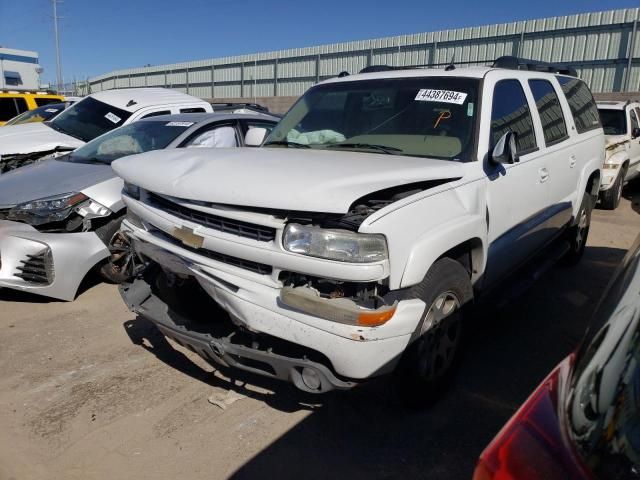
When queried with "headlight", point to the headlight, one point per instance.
{"points": [[46, 210], [340, 245], [131, 190]]}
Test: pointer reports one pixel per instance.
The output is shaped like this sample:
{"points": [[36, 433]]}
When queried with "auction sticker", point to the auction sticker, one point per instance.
{"points": [[443, 96], [112, 117], [51, 110], [179, 124]]}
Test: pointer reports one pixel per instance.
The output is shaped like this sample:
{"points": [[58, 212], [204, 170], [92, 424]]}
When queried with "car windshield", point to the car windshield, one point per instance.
{"points": [[614, 122], [40, 114], [89, 119], [431, 117], [137, 137], [603, 408]]}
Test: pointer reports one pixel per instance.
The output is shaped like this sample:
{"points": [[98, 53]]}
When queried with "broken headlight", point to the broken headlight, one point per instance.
{"points": [[339, 245], [47, 210]]}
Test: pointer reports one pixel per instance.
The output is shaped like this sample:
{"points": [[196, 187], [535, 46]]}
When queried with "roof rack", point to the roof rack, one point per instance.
{"points": [[515, 63], [233, 105]]}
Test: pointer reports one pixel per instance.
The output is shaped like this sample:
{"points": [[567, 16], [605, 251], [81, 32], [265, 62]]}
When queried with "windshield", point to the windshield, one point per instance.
{"points": [[426, 117], [614, 122], [39, 114], [89, 119], [137, 137]]}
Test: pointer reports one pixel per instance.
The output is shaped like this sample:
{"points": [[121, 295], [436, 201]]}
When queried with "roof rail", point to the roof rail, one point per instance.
{"points": [[381, 68], [515, 63]]}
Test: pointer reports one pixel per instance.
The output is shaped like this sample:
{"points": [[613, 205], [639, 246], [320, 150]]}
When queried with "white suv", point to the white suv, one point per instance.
{"points": [[381, 205], [621, 124]]}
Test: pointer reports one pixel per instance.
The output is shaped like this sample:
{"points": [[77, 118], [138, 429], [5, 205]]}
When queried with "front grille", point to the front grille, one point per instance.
{"points": [[34, 269], [227, 225], [256, 267]]}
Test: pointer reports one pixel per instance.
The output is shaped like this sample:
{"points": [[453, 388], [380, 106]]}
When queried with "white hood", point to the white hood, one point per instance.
{"points": [[32, 138], [278, 178]]}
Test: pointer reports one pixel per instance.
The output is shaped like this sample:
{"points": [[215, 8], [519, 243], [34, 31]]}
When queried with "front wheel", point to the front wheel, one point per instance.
{"points": [[610, 198], [578, 233], [123, 261], [429, 361]]}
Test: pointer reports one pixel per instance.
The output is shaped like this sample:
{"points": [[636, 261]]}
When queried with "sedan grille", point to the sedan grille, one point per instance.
{"points": [[214, 222]]}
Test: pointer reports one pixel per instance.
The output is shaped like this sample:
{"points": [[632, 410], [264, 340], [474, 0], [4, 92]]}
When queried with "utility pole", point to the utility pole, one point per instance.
{"points": [[55, 30]]}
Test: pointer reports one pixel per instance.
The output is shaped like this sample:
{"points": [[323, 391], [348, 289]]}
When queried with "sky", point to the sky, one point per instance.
{"points": [[99, 36]]}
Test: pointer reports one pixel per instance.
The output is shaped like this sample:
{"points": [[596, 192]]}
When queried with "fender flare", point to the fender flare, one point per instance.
{"points": [[437, 241]]}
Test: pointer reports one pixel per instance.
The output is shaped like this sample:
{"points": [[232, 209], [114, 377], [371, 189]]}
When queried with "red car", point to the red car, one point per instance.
{"points": [[583, 421]]}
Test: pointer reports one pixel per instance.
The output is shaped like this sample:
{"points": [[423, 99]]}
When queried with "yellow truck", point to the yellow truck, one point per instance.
{"points": [[14, 103]]}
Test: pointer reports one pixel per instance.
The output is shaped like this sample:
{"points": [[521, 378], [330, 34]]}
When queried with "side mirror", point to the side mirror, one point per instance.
{"points": [[635, 133], [255, 137], [505, 150]]}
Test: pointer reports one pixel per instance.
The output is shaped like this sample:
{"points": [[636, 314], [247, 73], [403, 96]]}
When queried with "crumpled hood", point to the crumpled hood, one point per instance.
{"points": [[279, 178], [34, 137], [48, 178]]}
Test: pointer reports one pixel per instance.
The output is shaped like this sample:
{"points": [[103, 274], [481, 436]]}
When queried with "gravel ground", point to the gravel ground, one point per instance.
{"points": [[87, 391]]}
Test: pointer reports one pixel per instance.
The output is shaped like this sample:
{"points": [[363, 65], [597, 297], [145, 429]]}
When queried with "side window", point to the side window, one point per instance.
{"points": [[192, 110], [8, 109], [510, 111], [583, 107], [221, 136], [156, 114], [634, 119], [21, 105], [46, 101], [550, 111]]}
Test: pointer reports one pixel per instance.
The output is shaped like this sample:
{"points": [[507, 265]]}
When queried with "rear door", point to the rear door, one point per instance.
{"points": [[517, 194], [561, 162]]}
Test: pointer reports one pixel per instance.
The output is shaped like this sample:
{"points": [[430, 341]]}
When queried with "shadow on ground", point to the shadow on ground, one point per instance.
{"points": [[631, 192], [363, 433]]}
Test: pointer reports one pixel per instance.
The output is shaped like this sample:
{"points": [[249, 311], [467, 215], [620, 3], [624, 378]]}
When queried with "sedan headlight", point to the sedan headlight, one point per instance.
{"points": [[46, 210], [340, 245]]}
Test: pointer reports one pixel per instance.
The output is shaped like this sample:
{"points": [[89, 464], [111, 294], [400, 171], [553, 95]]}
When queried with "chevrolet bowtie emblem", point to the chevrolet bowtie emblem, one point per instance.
{"points": [[187, 237]]}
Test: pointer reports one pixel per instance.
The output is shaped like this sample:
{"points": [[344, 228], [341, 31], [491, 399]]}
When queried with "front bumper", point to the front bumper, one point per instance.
{"points": [[70, 257], [354, 352]]}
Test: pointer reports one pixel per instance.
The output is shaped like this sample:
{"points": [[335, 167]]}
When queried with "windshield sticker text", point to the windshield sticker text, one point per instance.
{"points": [[179, 124], [112, 117], [443, 96], [51, 110]]}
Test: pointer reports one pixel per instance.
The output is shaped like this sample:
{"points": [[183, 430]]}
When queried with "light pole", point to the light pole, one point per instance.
{"points": [[55, 30]]}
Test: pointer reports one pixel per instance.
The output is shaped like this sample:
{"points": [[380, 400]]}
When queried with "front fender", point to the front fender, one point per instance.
{"points": [[437, 241]]}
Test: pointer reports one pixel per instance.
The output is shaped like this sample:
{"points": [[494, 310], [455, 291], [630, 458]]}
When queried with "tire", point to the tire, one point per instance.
{"points": [[122, 261], [610, 199], [429, 362], [577, 234]]}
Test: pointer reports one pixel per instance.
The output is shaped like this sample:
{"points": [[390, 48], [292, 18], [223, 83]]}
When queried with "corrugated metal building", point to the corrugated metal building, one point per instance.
{"points": [[604, 47]]}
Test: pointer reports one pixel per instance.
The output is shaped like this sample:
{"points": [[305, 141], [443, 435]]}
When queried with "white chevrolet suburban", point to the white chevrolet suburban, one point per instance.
{"points": [[381, 205], [621, 124]]}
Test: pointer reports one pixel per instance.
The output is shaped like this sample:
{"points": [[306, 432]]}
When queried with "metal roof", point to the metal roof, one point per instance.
{"points": [[134, 99]]}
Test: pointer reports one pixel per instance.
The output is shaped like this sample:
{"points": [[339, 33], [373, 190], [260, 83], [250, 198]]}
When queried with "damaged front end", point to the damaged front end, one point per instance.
{"points": [[10, 161]]}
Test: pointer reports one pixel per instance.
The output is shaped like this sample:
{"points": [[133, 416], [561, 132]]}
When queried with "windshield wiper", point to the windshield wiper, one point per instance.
{"points": [[287, 144], [369, 146]]}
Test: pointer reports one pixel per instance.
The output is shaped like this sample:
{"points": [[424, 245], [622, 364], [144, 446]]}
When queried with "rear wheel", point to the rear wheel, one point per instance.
{"points": [[429, 362], [610, 199], [578, 233]]}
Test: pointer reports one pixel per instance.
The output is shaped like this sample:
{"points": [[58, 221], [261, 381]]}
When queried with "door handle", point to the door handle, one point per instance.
{"points": [[544, 174], [572, 161]]}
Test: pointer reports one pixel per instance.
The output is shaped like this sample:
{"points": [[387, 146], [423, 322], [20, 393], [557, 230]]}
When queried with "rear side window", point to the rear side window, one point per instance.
{"points": [[510, 112], [157, 114], [192, 110], [583, 107], [46, 101], [10, 107], [550, 111]]}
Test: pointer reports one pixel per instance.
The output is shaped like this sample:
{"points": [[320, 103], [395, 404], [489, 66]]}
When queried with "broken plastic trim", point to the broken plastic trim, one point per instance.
{"points": [[340, 310]]}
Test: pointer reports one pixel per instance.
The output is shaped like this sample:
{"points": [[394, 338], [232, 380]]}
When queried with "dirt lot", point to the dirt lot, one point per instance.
{"points": [[87, 391]]}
